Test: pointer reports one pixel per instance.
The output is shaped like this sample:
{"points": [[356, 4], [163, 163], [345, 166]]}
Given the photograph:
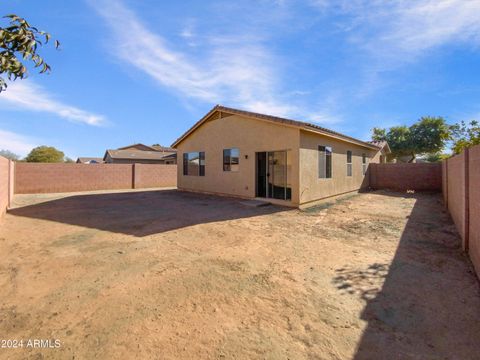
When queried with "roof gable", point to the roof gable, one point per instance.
{"points": [[219, 112], [139, 146]]}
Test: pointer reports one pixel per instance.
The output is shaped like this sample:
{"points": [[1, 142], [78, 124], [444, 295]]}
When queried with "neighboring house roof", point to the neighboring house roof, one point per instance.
{"points": [[136, 155], [139, 146], [163, 148], [170, 156], [143, 147], [382, 145], [275, 119], [90, 160]]}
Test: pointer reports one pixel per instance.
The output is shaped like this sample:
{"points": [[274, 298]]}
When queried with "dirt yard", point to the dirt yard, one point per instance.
{"points": [[172, 275]]}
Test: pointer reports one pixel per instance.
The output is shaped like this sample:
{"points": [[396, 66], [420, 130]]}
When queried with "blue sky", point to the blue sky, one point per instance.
{"points": [[145, 71]]}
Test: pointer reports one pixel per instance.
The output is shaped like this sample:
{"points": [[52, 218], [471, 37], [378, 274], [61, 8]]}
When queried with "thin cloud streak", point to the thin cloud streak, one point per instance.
{"points": [[17, 143], [235, 71], [26, 95], [401, 30]]}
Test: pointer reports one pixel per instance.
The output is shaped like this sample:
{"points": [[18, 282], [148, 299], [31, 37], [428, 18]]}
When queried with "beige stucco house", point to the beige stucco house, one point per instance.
{"points": [[250, 155]]}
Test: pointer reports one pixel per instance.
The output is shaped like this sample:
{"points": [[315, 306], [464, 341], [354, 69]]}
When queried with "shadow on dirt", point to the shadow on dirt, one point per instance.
{"points": [[142, 213], [429, 304]]}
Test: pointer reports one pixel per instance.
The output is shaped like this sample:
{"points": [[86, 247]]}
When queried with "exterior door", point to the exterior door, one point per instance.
{"points": [[272, 176]]}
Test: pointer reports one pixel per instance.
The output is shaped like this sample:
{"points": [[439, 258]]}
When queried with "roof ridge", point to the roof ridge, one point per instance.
{"points": [[300, 124]]}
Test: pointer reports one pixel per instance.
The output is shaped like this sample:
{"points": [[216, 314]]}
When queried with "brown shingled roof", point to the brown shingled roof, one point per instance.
{"points": [[137, 154], [288, 122]]}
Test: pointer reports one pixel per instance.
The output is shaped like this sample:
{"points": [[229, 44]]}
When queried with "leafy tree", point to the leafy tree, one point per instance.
{"points": [[465, 135], [68, 160], [45, 154], [379, 134], [427, 135], [19, 42], [436, 157], [9, 155]]}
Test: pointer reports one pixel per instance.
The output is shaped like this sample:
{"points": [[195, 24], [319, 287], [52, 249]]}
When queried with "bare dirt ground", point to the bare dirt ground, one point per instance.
{"points": [[172, 275]]}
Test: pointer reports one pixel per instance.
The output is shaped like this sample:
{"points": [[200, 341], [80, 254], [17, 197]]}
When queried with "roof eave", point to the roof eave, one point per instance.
{"points": [[284, 122]]}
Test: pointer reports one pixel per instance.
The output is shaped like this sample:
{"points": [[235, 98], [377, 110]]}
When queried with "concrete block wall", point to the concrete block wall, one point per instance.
{"points": [[149, 176], [474, 206], [461, 192], [402, 177], [455, 188], [4, 184], [31, 178]]}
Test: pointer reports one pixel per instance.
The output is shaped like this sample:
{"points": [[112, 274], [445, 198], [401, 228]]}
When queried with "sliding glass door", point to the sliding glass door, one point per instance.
{"points": [[273, 169]]}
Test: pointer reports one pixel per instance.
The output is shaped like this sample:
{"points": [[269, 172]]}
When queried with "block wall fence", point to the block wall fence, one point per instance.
{"points": [[33, 178], [406, 176], [6, 183], [461, 194]]}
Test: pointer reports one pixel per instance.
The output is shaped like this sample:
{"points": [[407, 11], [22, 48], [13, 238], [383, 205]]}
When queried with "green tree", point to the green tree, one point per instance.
{"points": [[19, 42], [45, 154], [436, 157], [9, 155], [379, 134], [465, 135], [428, 135], [68, 160]]}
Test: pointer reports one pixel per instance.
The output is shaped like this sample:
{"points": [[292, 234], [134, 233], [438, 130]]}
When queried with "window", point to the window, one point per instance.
{"points": [[364, 163], [194, 163], [324, 162], [349, 163], [231, 159]]}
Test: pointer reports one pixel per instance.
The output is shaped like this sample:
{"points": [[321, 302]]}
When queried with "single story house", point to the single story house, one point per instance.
{"points": [[89, 160], [382, 156], [143, 154], [138, 157], [250, 155]]}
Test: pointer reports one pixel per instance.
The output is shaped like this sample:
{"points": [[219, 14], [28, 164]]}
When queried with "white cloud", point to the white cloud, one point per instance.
{"points": [[401, 30], [27, 95], [19, 144], [232, 70]]}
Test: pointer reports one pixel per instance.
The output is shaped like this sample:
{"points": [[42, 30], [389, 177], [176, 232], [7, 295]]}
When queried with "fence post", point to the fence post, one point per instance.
{"points": [[467, 200], [133, 176], [11, 182]]}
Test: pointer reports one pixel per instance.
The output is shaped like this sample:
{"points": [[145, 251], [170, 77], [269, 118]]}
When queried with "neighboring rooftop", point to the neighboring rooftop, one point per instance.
{"points": [[381, 144], [163, 148], [90, 160], [137, 155], [143, 147], [288, 122]]}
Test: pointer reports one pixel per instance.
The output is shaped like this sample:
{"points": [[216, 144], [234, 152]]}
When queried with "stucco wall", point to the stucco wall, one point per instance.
{"points": [[33, 178], [313, 188], [249, 136]]}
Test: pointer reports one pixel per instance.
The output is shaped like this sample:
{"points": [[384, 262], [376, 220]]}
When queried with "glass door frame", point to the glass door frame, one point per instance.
{"points": [[269, 174]]}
